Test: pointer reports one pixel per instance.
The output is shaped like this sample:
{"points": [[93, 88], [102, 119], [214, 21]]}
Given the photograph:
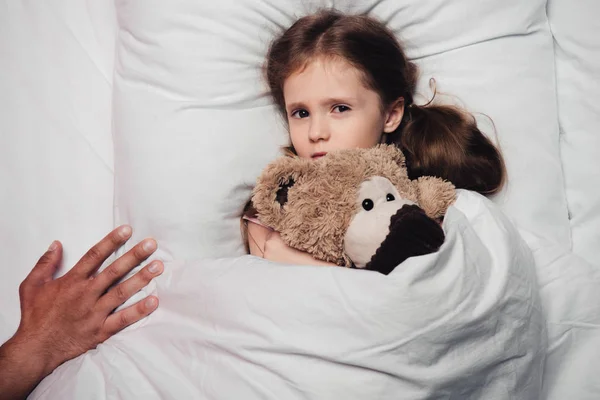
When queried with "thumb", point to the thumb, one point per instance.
{"points": [[47, 264]]}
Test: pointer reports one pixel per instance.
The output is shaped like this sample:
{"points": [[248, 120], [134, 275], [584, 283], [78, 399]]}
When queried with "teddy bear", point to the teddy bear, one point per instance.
{"points": [[355, 208]]}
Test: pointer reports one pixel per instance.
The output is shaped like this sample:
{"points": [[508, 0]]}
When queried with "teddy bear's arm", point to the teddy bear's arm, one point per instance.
{"points": [[435, 195]]}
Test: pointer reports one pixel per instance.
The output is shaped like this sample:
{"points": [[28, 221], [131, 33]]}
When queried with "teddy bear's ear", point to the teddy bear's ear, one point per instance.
{"points": [[435, 195], [393, 152], [271, 191]]}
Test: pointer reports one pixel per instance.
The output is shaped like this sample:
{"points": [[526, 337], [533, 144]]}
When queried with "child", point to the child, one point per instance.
{"points": [[344, 82]]}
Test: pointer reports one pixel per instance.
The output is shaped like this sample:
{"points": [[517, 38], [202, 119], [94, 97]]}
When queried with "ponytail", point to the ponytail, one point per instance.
{"points": [[444, 141]]}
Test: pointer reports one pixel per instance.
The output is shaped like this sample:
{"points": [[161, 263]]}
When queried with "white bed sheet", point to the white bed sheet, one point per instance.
{"points": [[464, 322], [56, 152]]}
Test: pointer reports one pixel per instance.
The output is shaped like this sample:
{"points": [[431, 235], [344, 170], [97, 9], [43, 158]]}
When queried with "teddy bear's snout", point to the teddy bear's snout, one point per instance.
{"points": [[402, 213], [412, 233], [426, 234]]}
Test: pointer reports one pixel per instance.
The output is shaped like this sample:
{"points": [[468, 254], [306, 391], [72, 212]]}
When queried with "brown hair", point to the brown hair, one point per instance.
{"points": [[437, 140]]}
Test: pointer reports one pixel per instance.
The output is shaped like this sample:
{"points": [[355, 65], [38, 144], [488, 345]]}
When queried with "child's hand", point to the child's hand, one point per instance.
{"points": [[276, 250]]}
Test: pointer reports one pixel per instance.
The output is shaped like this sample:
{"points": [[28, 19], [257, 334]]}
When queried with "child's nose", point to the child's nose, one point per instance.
{"points": [[318, 130]]}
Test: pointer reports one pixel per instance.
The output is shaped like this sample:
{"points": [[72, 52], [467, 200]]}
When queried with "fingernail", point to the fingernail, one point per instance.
{"points": [[149, 245], [125, 231], [154, 267], [150, 302], [53, 246]]}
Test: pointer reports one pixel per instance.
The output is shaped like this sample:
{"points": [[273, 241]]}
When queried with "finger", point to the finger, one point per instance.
{"points": [[93, 259], [123, 291], [46, 266], [122, 319], [123, 265]]}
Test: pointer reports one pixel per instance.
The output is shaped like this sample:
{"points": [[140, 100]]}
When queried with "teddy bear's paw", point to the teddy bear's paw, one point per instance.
{"points": [[412, 233]]}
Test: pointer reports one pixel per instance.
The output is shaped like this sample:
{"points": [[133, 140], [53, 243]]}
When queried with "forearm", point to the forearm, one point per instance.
{"points": [[289, 255], [21, 369], [263, 242]]}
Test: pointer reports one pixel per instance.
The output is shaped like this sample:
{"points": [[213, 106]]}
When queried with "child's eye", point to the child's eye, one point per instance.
{"points": [[300, 113], [341, 108]]}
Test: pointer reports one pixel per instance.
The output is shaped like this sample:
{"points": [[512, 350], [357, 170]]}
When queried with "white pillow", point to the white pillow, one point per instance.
{"points": [[194, 126], [577, 45], [56, 150]]}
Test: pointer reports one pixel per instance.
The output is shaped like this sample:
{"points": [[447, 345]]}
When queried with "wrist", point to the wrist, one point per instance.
{"points": [[29, 355], [20, 370]]}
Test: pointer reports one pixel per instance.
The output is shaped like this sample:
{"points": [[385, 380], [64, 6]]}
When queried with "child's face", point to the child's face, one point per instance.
{"points": [[328, 108]]}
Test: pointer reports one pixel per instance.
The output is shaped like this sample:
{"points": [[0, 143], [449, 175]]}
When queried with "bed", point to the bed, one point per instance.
{"points": [[154, 113]]}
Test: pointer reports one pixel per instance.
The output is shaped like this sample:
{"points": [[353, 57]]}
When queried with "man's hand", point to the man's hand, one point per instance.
{"points": [[63, 318]]}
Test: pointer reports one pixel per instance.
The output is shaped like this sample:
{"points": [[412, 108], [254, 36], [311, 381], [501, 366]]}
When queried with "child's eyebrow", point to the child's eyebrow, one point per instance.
{"points": [[336, 100], [293, 106], [324, 103]]}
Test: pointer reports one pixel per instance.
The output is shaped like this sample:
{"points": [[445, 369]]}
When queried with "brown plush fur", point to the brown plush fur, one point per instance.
{"points": [[323, 198]]}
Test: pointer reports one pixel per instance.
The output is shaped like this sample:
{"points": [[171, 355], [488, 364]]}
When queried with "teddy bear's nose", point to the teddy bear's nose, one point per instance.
{"points": [[423, 232], [412, 233]]}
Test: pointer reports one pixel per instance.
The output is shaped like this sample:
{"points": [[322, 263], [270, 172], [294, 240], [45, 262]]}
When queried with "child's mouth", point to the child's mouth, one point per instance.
{"points": [[318, 155]]}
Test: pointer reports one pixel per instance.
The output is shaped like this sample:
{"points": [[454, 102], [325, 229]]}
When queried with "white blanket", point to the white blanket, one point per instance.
{"points": [[465, 322]]}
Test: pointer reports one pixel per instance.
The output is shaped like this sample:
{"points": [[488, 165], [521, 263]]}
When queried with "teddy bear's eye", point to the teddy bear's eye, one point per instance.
{"points": [[367, 204], [390, 197]]}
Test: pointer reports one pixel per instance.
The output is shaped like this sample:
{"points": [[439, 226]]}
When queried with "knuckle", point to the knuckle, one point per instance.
{"points": [[94, 254], [121, 293], [115, 239], [113, 272], [23, 288], [124, 320], [69, 282], [45, 259], [138, 254]]}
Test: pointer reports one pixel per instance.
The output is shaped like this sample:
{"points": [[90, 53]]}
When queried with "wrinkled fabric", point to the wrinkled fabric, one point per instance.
{"points": [[465, 322]]}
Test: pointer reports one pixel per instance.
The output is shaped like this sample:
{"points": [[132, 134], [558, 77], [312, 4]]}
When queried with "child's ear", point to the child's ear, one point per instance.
{"points": [[393, 116], [271, 191]]}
